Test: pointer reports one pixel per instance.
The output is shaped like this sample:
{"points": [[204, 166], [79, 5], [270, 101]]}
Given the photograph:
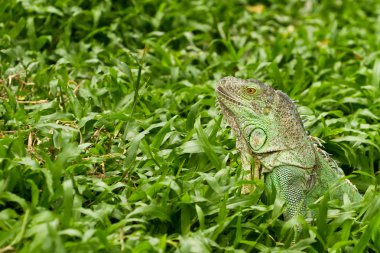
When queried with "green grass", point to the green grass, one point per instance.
{"points": [[110, 140]]}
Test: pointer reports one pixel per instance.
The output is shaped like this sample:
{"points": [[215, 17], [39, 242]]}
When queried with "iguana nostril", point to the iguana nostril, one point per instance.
{"points": [[222, 81]]}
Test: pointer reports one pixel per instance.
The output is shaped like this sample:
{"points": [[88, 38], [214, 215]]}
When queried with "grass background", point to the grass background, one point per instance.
{"points": [[110, 140]]}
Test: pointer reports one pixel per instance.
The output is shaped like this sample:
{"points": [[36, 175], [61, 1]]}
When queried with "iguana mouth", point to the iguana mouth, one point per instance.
{"points": [[225, 96]]}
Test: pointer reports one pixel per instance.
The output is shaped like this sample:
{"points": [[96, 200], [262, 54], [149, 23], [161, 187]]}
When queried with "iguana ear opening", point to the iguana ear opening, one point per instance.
{"points": [[256, 137]]}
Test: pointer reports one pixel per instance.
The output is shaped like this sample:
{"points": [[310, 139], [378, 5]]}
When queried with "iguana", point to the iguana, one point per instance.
{"points": [[273, 144]]}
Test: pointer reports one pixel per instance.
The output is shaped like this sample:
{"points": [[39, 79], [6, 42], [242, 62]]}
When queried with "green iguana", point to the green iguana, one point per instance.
{"points": [[273, 144]]}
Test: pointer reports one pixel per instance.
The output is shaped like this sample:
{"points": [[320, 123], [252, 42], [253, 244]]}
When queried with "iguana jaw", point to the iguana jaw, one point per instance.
{"points": [[227, 103], [223, 96]]}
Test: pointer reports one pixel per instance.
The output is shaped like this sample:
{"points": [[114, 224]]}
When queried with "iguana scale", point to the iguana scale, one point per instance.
{"points": [[273, 144]]}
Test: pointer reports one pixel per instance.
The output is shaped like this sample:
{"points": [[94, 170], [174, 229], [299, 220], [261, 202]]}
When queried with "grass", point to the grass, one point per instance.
{"points": [[110, 140]]}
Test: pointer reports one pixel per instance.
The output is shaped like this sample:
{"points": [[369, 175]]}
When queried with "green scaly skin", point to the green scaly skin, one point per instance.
{"points": [[273, 144]]}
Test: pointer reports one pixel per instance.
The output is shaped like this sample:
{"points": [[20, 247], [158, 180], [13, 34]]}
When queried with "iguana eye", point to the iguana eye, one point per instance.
{"points": [[250, 90]]}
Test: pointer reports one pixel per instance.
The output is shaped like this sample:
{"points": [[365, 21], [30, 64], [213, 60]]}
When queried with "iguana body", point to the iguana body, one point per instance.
{"points": [[273, 143]]}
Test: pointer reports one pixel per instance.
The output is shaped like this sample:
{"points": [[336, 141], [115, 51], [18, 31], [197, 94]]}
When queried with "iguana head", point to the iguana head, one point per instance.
{"points": [[267, 119]]}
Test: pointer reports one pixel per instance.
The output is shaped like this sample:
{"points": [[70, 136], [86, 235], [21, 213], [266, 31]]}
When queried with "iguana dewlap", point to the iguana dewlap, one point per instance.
{"points": [[273, 143]]}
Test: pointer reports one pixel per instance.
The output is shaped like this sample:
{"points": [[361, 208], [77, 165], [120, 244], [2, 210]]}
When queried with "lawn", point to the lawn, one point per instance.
{"points": [[110, 140]]}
